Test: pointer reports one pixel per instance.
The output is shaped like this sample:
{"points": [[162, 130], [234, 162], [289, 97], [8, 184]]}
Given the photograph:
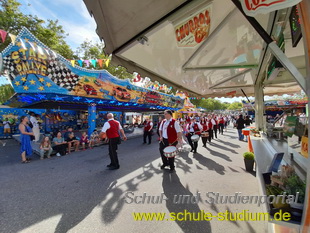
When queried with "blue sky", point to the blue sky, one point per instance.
{"points": [[71, 14], [75, 19]]}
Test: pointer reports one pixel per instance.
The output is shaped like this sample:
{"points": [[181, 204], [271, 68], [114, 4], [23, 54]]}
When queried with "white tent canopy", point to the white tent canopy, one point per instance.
{"points": [[142, 37]]}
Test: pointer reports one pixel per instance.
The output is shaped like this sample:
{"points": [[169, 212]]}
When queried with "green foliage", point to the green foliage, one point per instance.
{"points": [[210, 104], [294, 184], [50, 33], [248, 155], [235, 106], [6, 91], [89, 50]]}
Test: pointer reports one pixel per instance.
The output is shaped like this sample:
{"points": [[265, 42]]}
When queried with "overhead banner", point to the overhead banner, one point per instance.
{"points": [[194, 29], [254, 7]]}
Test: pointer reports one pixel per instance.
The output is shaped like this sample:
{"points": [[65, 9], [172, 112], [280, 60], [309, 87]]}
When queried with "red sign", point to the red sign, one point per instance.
{"points": [[195, 29], [254, 7]]}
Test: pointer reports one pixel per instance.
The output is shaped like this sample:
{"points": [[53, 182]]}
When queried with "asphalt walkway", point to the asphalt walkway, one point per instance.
{"points": [[76, 193]]}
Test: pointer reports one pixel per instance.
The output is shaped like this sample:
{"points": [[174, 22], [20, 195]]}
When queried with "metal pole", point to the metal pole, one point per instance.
{"points": [[274, 48]]}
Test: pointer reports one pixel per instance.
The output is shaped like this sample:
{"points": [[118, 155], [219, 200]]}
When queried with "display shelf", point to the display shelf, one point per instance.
{"points": [[264, 152]]}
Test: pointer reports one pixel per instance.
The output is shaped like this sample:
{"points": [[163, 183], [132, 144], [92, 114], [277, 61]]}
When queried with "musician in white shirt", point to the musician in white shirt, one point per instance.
{"points": [[192, 129], [170, 134]]}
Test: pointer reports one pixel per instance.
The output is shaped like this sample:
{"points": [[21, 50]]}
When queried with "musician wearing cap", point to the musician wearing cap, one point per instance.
{"points": [[194, 129], [111, 130], [170, 134]]}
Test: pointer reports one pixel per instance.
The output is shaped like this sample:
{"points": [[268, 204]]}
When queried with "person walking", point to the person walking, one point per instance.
{"points": [[170, 133], [240, 126], [148, 131], [221, 125], [215, 126], [194, 128], [25, 142], [204, 124], [112, 128]]}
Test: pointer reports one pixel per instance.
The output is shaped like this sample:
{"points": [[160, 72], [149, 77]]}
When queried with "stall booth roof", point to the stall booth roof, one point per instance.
{"points": [[43, 79], [220, 56]]}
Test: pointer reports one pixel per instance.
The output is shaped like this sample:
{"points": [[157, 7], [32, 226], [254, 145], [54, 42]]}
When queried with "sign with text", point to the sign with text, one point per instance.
{"points": [[194, 29], [254, 7]]}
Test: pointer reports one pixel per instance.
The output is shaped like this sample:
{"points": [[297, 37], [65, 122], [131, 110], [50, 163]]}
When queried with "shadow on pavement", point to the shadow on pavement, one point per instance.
{"points": [[209, 163], [172, 186]]}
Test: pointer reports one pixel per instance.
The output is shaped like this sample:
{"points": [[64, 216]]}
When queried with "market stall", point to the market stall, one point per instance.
{"points": [[267, 54]]}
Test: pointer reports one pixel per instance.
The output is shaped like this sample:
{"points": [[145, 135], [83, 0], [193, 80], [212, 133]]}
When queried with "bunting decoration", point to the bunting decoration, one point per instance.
{"points": [[3, 35], [73, 62], [13, 38], [99, 62]]}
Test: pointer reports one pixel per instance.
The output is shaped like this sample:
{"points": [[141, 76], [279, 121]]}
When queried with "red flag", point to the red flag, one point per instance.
{"points": [[3, 35]]}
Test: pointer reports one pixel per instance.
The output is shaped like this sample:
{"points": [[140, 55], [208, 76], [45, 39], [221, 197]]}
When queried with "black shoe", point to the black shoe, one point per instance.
{"points": [[195, 152], [204, 146], [144, 143], [113, 167], [110, 165], [149, 143]]}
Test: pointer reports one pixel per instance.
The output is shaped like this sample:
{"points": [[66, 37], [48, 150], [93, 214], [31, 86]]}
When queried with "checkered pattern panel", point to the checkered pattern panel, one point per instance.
{"points": [[61, 75], [10, 66]]}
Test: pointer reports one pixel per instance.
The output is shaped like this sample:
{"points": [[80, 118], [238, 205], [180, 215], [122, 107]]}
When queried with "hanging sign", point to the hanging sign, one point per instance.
{"points": [[254, 7], [194, 29]]}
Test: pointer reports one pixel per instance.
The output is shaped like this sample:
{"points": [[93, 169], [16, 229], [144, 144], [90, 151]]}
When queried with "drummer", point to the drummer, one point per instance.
{"points": [[192, 129], [204, 123], [170, 133]]}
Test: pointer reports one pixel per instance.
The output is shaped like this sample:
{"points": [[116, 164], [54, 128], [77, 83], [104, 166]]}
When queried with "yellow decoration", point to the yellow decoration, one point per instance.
{"points": [[19, 44], [41, 80], [48, 84], [41, 88], [26, 88], [26, 39], [17, 83], [32, 81], [13, 38], [73, 62], [23, 79], [304, 146]]}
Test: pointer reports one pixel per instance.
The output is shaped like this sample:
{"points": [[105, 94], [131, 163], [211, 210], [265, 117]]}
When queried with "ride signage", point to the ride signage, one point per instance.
{"points": [[254, 7], [194, 29]]}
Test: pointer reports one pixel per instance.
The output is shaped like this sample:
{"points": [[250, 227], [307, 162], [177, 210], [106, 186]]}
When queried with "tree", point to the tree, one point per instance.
{"points": [[235, 106], [6, 91], [51, 34], [210, 104]]}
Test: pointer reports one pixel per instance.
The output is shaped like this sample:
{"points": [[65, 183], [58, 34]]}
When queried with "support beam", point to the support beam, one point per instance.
{"points": [[230, 78], [259, 106], [246, 66], [91, 119], [274, 48]]}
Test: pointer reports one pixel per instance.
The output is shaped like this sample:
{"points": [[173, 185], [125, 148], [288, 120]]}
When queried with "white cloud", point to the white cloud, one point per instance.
{"points": [[77, 22]]}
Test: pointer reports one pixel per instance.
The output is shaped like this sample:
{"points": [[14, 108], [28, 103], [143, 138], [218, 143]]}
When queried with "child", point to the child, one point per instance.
{"points": [[84, 140], [94, 139], [45, 147]]}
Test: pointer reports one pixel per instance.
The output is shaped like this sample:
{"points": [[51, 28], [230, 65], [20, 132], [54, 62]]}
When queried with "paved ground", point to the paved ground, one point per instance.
{"points": [[76, 193]]}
